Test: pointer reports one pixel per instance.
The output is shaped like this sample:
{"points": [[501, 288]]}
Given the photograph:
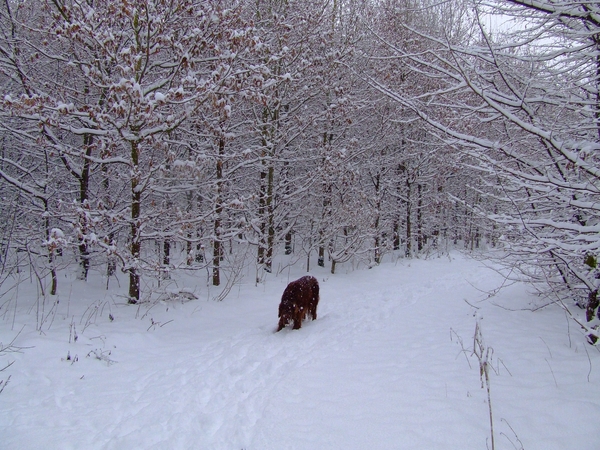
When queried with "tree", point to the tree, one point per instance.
{"points": [[295, 37], [28, 169], [525, 104], [132, 127], [134, 73]]}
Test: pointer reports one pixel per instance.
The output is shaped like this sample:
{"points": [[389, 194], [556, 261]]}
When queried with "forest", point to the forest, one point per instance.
{"points": [[152, 137]]}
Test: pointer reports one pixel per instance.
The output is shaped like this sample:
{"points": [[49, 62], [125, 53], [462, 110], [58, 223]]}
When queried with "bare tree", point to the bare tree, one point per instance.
{"points": [[133, 73], [524, 103]]}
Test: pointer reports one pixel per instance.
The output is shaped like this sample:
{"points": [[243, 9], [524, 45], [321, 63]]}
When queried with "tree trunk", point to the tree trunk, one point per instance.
{"points": [[54, 285], [199, 255], [270, 220], [288, 243], [596, 39], [377, 243], [217, 250], [396, 234], [408, 250], [325, 215], [262, 202], [84, 182], [321, 259], [134, 275], [166, 252], [421, 239], [266, 240], [216, 273], [53, 276], [188, 249], [592, 310]]}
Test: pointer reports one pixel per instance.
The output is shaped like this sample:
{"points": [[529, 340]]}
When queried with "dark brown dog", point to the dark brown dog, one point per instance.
{"points": [[299, 299]]}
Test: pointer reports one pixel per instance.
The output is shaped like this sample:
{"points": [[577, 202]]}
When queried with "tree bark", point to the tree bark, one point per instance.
{"points": [[217, 250], [266, 240], [84, 183], [377, 243], [134, 275], [408, 249], [421, 239]]}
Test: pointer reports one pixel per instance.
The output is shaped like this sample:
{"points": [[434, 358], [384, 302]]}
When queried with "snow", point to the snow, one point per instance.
{"points": [[386, 365]]}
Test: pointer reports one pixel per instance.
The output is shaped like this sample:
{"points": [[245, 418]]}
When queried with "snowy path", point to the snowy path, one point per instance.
{"points": [[377, 369]]}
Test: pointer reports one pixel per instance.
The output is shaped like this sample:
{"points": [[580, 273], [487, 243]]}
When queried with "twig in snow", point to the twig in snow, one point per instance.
{"points": [[462, 346], [520, 447], [552, 371], [153, 324], [484, 355], [503, 365], [3, 383], [590, 363], [494, 292], [10, 347], [546, 346], [471, 305], [101, 355], [7, 366]]}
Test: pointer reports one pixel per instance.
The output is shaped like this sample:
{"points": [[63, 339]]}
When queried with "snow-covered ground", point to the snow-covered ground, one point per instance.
{"points": [[387, 365]]}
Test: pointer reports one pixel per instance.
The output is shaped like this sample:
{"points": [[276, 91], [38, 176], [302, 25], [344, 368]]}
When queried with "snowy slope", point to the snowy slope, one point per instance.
{"points": [[382, 367]]}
